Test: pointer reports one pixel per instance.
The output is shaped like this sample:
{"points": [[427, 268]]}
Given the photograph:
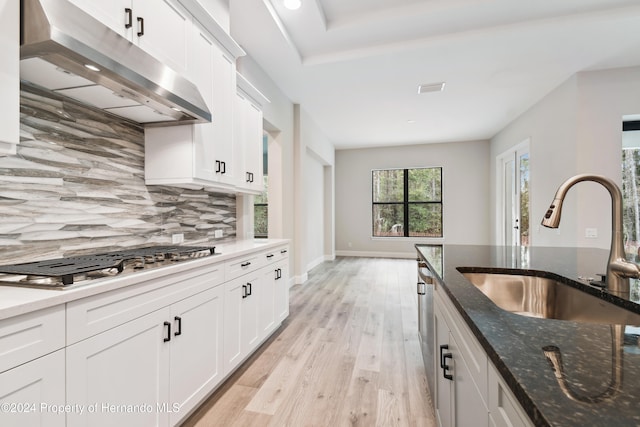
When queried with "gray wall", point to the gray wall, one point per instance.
{"points": [[465, 195], [577, 128]]}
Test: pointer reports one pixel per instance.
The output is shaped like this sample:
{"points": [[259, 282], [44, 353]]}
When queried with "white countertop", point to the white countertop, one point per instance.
{"points": [[15, 300]]}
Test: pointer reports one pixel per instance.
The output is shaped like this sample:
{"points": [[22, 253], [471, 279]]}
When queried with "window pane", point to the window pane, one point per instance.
{"points": [[388, 185], [425, 220], [388, 219], [261, 224], [425, 185]]}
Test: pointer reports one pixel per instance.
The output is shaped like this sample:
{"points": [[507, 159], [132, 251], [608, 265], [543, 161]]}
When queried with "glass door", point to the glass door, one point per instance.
{"points": [[513, 214]]}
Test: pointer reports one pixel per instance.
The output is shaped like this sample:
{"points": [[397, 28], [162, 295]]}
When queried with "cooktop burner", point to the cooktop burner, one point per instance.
{"points": [[63, 271]]}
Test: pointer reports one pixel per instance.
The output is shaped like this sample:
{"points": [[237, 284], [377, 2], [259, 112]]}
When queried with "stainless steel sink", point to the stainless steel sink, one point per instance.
{"points": [[547, 298]]}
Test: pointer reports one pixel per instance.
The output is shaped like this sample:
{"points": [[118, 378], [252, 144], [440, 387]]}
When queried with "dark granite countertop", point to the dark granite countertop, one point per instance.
{"points": [[514, 343]]}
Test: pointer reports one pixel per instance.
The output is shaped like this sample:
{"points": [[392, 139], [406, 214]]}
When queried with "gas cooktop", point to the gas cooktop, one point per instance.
{"points": [[60, 273]]}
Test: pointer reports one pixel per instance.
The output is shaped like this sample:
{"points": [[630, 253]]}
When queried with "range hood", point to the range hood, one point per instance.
{"points": [[61, 47]]}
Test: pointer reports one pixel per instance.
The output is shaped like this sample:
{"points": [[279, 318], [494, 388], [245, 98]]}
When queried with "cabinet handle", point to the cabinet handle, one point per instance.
{"points": [[445, 368], [249, 288], [278, 273], [218, 166], [128, 17], [422, 288], [244, 291], [270, 256], [251, 176], [224, 167], [245, 264], [179, 331], [443, 347], [246, 177], [284, 251], [168, 337], [140, 26]]}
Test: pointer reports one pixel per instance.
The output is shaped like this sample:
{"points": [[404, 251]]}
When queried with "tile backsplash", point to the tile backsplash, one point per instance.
{"points": [[76, 185]]}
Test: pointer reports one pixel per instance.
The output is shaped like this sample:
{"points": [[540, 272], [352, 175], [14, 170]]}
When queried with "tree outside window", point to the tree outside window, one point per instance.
{"points": [[407, 202]]}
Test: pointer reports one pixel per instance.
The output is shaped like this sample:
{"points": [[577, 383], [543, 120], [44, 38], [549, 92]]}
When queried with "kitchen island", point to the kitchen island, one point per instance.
{"points": [[514, 343]]}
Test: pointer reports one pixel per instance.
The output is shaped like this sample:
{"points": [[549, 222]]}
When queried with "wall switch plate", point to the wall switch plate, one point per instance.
{"points": [[177, 238], [591, 233], [218, 233]]}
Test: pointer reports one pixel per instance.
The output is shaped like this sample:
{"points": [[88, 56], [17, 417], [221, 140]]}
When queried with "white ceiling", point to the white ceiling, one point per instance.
{"points": [[355, 65]]}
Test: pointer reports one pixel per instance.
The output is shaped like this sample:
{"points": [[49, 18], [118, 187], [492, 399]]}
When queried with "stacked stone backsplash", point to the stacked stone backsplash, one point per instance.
{"points": [[76, 185]]}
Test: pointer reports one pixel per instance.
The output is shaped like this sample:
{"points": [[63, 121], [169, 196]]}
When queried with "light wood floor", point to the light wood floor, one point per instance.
{"points": [[348, 355]]}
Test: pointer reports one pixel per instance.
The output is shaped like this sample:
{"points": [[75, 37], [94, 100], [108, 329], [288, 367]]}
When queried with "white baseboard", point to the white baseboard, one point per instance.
{"points": [[298, 280], [374, 254]]}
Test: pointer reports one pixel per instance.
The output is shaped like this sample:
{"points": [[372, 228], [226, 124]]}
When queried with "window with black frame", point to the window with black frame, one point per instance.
{"points": [[407, 202]]}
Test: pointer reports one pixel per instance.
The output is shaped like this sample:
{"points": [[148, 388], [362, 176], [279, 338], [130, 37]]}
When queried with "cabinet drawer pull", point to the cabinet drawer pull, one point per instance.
{"points": [[245, 264], [224, 167], [218, 166], [443, 347], [140, 26], [128, 17], [244, 291], [445, 368], [278, 273], [179, 331], [168, 337], [284, 251], [249, 288], [270, 256]]}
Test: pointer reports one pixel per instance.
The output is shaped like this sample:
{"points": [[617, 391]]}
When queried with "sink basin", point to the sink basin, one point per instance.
{"points": [[541, 297]]}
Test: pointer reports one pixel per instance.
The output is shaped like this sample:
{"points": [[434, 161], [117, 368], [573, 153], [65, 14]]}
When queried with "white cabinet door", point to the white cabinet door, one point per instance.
{"points": [[10, 72], [444, 395], [160, 27], [33, 393], [196, 349], [240, 319], [281, 290], [124, 366], [164, 31], [248, 137], [264, 294], [470, 409], [115, 14]]}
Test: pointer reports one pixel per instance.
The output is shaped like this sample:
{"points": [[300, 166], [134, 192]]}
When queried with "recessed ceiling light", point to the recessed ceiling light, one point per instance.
{"points": [[92, 67], [431, 87], [292, 4]]}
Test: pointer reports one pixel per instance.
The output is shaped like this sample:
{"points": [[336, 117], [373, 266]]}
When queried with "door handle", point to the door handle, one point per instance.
{"points": [[168, 337], [179, 331], [128, 17], [445, 368], [443, 347], [140, 26]]}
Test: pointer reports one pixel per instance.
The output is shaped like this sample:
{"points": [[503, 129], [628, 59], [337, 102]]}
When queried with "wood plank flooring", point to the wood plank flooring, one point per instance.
{"points": [[348, 355]]}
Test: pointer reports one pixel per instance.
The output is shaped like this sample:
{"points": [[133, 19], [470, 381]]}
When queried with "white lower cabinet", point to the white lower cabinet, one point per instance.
{"points": [[122, 374], [240, 319], [32, 394], [469, 391], [152, 370], [196, 350]]}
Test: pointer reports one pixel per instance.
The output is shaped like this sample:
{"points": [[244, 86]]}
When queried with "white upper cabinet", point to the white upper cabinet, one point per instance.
{"points": [[199, 155], [9, 76], [160, 27], [248, 133]]}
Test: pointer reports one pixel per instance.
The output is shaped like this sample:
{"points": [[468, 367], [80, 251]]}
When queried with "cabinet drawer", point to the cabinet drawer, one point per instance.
{"points": [[276, 254], [239, 266], [28, 336], [96, 314]]}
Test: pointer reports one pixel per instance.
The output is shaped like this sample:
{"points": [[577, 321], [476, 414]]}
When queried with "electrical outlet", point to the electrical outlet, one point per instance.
{"points": [[591, 233], [177, 238], [218, 233]]}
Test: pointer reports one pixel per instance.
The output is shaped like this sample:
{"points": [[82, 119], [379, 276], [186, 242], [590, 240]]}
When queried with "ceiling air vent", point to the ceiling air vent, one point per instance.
{"points": [[431, 87]]}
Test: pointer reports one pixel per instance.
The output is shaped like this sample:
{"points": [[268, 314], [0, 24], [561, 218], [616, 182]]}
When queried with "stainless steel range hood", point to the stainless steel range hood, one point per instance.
{"points": [[60, 43]]}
